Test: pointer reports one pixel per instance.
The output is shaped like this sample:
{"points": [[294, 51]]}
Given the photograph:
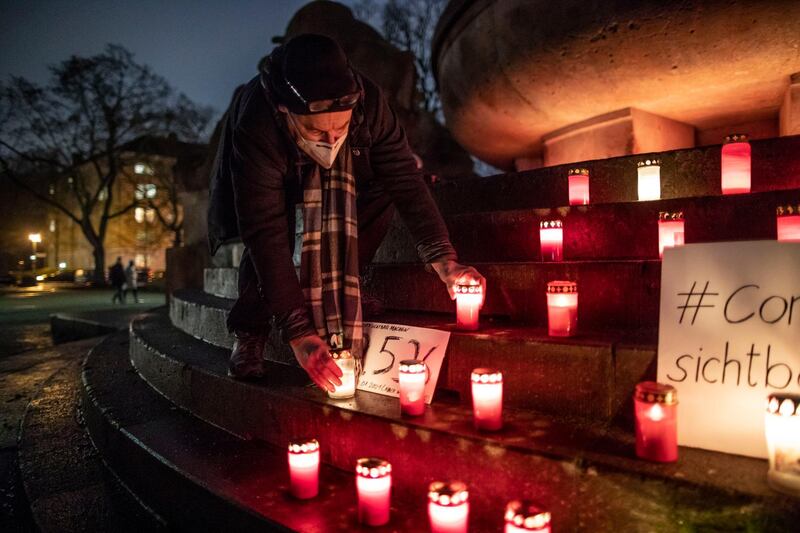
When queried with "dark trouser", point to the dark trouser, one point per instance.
{"points": [[119, 294], [375, 212]]}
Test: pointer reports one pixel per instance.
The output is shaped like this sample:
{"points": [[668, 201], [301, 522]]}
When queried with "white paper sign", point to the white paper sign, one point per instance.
{"points": [[388, 344], [729, 334]]}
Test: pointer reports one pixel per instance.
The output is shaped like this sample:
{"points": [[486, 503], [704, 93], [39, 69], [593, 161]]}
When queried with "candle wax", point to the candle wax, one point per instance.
{"points": [[578, 189], [649, 183], [487, 405], [348, 387], [468, 308], [783, 444], [552, 243], [304, 474], [448, 518], [412, 393], [374, 498], [736, 168], [656, 431], [562, 314], [789, 228]]}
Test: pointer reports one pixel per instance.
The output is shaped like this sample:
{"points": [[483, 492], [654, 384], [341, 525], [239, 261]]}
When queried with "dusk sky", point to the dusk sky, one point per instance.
{"points": [[204, 48]]}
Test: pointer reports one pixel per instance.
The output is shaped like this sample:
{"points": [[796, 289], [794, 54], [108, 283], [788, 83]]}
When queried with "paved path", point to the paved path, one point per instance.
{"points": [[28, 359]]}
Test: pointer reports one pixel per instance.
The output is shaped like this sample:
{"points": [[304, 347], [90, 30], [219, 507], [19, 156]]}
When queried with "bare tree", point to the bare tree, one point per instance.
{"points": [[63, 142], [409, 25]]}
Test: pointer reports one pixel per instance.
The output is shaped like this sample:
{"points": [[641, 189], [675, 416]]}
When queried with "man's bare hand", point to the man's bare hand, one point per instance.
{"points": [[314, 356], [452, 274]]}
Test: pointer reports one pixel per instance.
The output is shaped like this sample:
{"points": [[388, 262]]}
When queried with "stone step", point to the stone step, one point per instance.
{"points": [[585, 475], [228, 255], [591, 376], [201, 478], [684, 173], [67, 485], [602, 231], [612, 293]]}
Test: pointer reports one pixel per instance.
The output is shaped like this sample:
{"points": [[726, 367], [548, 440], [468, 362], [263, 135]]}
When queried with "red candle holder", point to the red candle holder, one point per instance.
{"points": [[736, 164], [487, 398], [562, 308], [551, 240], [374, 486], [469, 299], [578, 186], [412, 377], [649, 173], [788, 221], [656, 406], [304, 468], [782, 426], [671, 231], [448, 507], [525, 516]]}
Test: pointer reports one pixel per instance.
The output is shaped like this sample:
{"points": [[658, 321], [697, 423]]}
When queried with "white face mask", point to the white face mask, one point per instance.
{"points": [[321, 152]]}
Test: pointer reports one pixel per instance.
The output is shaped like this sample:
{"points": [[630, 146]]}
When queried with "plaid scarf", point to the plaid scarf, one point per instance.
{"points": [[329, 258]]}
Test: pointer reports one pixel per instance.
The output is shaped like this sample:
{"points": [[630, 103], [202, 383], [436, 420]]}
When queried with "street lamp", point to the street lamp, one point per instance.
{"points": [[35, 238]]}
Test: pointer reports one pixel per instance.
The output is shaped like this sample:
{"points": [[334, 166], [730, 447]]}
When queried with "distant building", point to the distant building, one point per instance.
{"points": [[152, 175]]}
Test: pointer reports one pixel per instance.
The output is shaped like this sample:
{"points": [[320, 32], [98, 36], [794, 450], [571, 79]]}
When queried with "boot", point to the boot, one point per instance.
{"points": [[247, 358]]}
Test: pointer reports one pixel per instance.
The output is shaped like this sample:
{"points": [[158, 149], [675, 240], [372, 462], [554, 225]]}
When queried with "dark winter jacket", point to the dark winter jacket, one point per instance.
{"points": [[116, 275], [256, 184]]}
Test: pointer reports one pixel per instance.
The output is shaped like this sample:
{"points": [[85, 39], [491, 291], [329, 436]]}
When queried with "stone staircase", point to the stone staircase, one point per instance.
{"points": [[209, 452]]}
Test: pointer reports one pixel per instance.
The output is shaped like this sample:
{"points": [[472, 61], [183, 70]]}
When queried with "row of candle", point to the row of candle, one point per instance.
{"points": [[670, 232], [562, 296], [655, 407], [656, 427], [735, 173], [448, 501], [562, 307]]}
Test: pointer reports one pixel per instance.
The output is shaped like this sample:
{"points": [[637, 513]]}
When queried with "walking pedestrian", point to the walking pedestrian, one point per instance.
{"points": [[131, 283], [116, 275]]}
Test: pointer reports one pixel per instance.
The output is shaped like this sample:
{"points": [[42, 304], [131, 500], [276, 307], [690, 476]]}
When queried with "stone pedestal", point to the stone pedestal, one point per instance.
{"points": [[624, 132], [790, 109]]}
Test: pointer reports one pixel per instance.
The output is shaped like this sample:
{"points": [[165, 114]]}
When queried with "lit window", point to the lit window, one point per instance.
{"points": [[141, 235], [52, 190], [138, 214], [103, 194], [150, 215], [139, 261], [52, 225], [143, 168], [145, 190]]}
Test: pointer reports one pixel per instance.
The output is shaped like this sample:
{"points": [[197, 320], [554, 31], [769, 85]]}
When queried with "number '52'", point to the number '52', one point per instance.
{"points": [[393, 357]]}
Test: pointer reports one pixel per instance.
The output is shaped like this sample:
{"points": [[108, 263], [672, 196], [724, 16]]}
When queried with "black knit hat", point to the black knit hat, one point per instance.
{"points": [[312, 68]]}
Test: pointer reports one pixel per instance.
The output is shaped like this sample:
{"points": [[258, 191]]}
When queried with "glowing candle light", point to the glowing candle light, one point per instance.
{"points": [[304, 468], [562, 308], [412, 387], [656, 407], [347, 364], [670, 231], [649, 179], [782, 426], [578, 186], [736, 164], [789, 223], [551, 239], [469, 299], [525, 517], [374, 486], [448, 507], [487, 398]]}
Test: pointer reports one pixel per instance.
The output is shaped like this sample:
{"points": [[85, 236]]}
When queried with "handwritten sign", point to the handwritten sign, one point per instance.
{"points": [[388, 344], [729, 334]]}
